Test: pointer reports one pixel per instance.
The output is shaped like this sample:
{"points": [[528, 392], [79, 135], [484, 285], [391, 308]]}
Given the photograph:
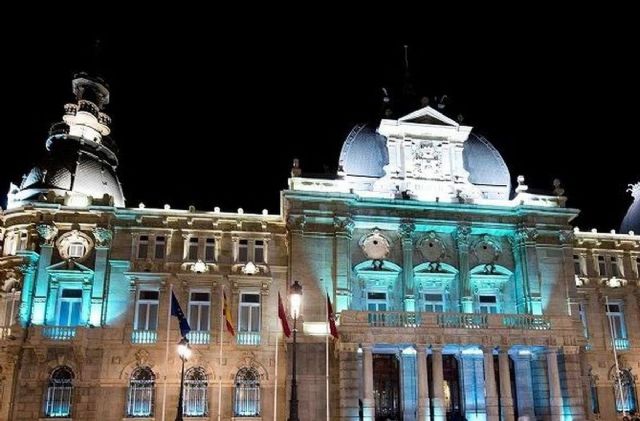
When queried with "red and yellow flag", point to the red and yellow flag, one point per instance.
{"points": [[226, 313]]}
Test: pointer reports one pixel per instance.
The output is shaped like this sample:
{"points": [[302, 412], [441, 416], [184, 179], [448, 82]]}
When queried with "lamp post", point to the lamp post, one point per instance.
{"points": [[184, 352], [295, 295]]}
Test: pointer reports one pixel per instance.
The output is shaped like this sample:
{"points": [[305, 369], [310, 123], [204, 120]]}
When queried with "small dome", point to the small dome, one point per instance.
{"points": [[631, 221], [486, 166], [364, 153]]}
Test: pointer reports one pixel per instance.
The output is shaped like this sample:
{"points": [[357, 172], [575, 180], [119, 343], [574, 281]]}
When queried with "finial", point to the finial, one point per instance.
{"points": [[141, 205], [557, 190], [296, 171], [634, 189], [521, 186]]}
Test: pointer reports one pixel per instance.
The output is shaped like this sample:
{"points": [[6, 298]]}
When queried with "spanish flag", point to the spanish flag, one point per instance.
{"points": [[226, 313]]}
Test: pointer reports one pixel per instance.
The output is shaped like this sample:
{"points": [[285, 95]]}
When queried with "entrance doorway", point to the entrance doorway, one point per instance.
{"points": [[386, 387]]}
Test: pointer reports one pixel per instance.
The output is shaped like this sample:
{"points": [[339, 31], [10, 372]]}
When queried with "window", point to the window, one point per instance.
{"points": [[376, 301], [249, 320], [147, 310], [24, 240], [258, 251], [195, 393], [192, 253], [210, 250], [488, 304], [247, 393], [433, 302], [577, 265], [199, 310], [143, 246], [616, 321], [615, 269], [140, 396], [583, 319], [69, 307], [625, 392], [602, 270], [76, 250], [161, 243], [243, 251], [59, 393]]}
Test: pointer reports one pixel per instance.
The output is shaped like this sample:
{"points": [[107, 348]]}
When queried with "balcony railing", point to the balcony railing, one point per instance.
{"points": [[59, 333], [199, 337], [621, 344], [144, 337], [398, 319], [248, 338]]}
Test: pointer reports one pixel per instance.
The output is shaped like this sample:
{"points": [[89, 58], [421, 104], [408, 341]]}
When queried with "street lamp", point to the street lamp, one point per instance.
{"points": [[295, 295], [184, 352]]}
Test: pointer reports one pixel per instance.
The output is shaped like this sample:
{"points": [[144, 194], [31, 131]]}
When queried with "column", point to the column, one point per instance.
{"points": [[342, 258], [406, 230], [28, 281], [424, 409], [555, 393], [506, 400], [368, 403], [473, 383], [409, 386], [491, 393], [38, 313], [522, 367], [463, 238], [439, 412]]}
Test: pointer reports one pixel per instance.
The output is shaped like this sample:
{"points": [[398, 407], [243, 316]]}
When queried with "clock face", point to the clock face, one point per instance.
{"points": [[375, 246]]}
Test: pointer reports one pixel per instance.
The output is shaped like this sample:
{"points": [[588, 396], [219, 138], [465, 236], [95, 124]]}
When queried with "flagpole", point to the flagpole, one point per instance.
{"points": [[615, 355], [166, 355], [326, 344], [222, 313], [275, 387]]}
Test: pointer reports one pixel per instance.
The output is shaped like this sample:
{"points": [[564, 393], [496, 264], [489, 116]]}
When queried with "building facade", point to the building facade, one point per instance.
{"points": [[455, 295]]}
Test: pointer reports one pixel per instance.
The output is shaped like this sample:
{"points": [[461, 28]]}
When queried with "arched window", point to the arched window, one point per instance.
{"points": [[141, 389], [625, 398], [195, 393], [59, 391], [247, 399]]}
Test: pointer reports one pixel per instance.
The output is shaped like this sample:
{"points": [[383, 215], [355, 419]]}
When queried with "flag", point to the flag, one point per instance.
{"points": [[226, 313], [282, 314], [177, 311], [332, 319]]}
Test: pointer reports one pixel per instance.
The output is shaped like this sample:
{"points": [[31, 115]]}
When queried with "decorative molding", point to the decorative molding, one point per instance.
{"points": [[462, 235], [103, 236], [406, 229], [344, 225], [375, 245], [47, 233]]}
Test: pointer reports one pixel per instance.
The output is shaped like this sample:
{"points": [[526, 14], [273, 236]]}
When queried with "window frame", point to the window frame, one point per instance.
{"points": [[71, 301], [612, 315], [145, 384], [143, 240], [146, 302], [199, 305], [251, 306], [377, 302], [426, 302], [53, 388], [488, 305]]}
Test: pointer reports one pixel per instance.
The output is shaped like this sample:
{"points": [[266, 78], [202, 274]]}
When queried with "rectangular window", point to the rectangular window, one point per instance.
{"points": [[602, 269], [199, 310], [488, 304], [434, 302], [69, 307], [583, 319], [243, 251], [258, 251], [616, 317], [161, 244], [24, 240], [210, 250], [377, 301], [192, 254], [615, 269], [147, 310], [249, 318], [76, 250], [577, 266], [143, 246]]}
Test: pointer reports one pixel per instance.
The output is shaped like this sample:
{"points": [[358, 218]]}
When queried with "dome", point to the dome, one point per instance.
{"points": [[485, 166], [364, 153], [631, 221]]}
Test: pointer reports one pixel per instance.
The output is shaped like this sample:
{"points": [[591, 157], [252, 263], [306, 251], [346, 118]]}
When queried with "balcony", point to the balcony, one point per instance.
{"points": [[144, 337], [199, 337], [621, 344], [248, 338], [59, 333]]}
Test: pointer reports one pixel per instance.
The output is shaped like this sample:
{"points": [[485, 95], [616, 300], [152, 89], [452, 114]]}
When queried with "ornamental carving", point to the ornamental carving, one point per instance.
{"points": [[74, 245], [296, 222], [525, 235], [103, 236], [375, 246], [344, 225], [462, 235], [432, 248], [487, 249], [47, 233], [10, 279], [406, 229], [426, 157], [566, 237], [142, 358]]}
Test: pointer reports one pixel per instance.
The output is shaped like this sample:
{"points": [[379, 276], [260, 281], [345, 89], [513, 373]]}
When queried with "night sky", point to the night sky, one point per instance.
{"points": [[203, 118]]}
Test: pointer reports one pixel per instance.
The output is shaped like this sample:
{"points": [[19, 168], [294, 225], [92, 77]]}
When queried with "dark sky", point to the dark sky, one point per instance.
{"points": [[214, 117]]}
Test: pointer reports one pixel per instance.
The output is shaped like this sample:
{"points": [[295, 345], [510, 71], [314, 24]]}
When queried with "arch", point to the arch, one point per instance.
{"points": [[372, 265], [490, 269], [247, 393], [626, 399], [140, 396], [435, 267], [59, 392], [195, 396]]}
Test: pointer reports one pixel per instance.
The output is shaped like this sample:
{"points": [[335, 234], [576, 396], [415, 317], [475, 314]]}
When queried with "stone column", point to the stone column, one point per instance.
{"points": [[463, 238], [555, 393], [342, 256], [406, 230], [473, 383], [506, 400], [522, 367], [28, 283], [409, 384], [424, 408], [526, 258], [439, 412], [491, 393], [368, 402]]}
